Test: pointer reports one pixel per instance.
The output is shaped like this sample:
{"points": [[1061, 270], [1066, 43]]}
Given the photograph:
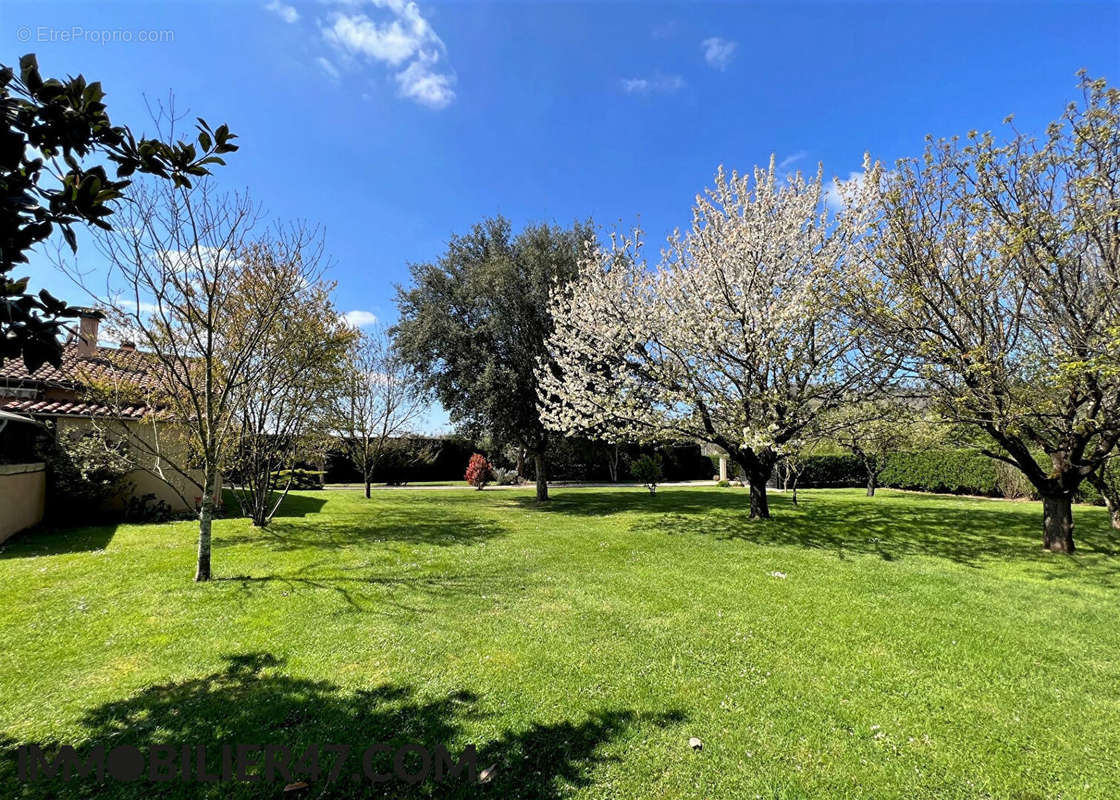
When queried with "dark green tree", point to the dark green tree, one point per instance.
{"points": [[50, 128], [473, 326]]}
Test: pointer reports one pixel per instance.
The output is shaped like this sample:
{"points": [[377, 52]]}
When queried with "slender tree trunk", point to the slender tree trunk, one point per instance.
{"points": [[795, 491], [871, 484], [1111, 495], [1057, 523], [520, 468], [542, 479], [367, 489], [205, 518]]}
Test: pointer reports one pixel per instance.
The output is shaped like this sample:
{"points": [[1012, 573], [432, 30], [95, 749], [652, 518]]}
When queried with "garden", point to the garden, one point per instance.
{"points": [[906, 645], [821, 501]]}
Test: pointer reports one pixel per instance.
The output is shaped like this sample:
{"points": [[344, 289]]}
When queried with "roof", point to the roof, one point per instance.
{"points": [[111, 365], [64, 408]]}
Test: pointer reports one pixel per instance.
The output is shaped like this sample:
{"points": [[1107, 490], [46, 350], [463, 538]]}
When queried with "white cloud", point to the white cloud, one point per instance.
{"points": [[283, 10], [718, 52], [328, 67], [393, 42], [422, 82], [833, 197], [360, 319], [790, 160], [398, 36], [662, 84]]}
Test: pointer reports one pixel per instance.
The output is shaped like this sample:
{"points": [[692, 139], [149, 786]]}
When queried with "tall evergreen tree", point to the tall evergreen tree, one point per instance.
{"points": [[473, 326]]}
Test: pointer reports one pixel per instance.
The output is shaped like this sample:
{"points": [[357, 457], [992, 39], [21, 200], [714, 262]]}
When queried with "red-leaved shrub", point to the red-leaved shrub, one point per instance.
{"points": [[478, 471]]}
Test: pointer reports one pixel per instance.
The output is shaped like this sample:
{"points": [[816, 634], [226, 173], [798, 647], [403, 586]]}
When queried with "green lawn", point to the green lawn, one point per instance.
{"points": [[917, 647]]}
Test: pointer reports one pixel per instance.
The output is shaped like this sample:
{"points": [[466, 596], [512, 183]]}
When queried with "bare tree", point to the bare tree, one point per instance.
{"points": [[179, 285], [376, 402], [282, 414]]}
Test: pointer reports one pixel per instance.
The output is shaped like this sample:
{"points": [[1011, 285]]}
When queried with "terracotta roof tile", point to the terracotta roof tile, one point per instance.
{"points": [[110, 365], [65, 408]]}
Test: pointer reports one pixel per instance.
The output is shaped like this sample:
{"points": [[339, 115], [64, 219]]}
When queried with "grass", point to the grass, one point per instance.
{"points": [[917, 647]]}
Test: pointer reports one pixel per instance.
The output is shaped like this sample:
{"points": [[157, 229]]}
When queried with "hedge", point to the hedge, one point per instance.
{"points": [[568, 459], [937, 471], [943, 471]]}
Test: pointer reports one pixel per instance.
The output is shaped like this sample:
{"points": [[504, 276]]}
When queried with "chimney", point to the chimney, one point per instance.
{"points": [[90, 319]]}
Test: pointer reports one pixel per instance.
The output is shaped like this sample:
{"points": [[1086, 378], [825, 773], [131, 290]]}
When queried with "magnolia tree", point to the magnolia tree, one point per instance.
{"points": [[996, 270], [735, 338]]}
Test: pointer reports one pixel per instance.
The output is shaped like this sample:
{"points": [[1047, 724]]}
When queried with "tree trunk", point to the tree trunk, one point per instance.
{"points": [[795, 491], [367, 488], [205, 518], [871, 483], [760, 506], [1110, 492], [542, 479], [1057, 524]]}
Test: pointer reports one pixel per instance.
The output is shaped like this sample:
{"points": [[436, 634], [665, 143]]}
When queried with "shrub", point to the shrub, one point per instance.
{"points": [[479, 472], [832, 471], [647, 470], [86, 469], [506, 477], [148, 508], [301, 479], [948, 471], [1011, 482]]}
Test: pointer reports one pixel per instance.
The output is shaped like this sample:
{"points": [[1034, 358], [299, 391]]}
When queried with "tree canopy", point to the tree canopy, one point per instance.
{"points": [[50, 127], [473, 326]]}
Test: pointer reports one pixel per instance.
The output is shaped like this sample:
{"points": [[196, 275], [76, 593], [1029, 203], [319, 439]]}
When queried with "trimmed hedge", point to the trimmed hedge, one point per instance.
{"points": [[301, 478], [940, 471], [943, 471], [937, 471], [826, 472]]}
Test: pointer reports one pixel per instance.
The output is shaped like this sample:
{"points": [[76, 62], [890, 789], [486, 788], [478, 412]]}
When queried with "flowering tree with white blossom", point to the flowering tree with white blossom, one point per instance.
{"points": [[736, 338]]}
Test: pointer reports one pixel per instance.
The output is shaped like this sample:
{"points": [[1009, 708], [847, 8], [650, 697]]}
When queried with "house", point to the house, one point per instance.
{"points": [[64, 399]]}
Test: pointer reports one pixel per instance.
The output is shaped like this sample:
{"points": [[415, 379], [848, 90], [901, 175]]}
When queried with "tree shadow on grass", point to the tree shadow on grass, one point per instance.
{"points": [[891, 525], [47, 541], [431, 525], [370, 592], [253, 701]]}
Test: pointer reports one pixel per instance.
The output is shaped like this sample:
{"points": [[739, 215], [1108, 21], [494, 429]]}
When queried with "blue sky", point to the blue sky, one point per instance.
{"points": [[396, 124]]}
